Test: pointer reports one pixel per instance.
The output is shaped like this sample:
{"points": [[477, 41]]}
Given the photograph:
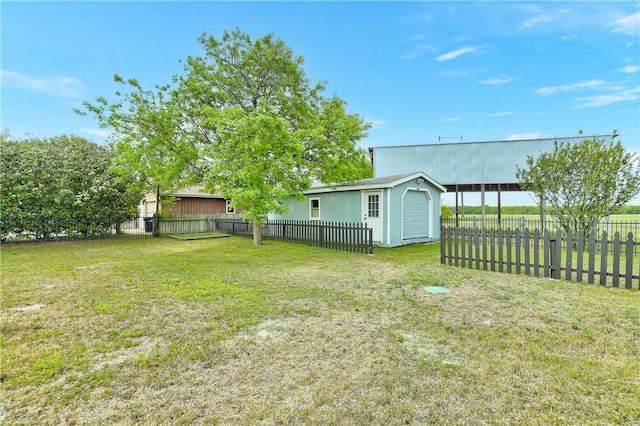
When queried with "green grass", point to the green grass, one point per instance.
{"points": [[216, 331]]}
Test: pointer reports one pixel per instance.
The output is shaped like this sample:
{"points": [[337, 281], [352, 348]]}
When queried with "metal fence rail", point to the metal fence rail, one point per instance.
{"points": [[551, 224], [612, 262], [352, 237]]}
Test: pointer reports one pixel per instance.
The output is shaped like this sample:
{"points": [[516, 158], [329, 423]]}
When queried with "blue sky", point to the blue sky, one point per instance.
{"points": [[420, 72]]}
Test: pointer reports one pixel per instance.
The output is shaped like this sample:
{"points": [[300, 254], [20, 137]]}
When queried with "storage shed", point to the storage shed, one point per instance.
{"points": [[401, 209]]}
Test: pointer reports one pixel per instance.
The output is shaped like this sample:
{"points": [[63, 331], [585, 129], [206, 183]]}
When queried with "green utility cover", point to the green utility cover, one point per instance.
{"points": [[436, 289]]}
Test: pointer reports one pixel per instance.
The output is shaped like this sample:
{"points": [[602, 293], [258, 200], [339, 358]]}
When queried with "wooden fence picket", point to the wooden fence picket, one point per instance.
{"points": [[553, 255], [353, 237]]}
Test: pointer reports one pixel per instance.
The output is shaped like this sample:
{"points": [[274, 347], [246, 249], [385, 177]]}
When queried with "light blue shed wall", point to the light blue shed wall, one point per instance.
{"points": [[463, 162], [344, 206]]}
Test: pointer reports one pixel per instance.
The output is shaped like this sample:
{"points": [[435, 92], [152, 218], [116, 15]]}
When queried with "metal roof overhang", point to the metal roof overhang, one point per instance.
{"points": [[477, 187]]}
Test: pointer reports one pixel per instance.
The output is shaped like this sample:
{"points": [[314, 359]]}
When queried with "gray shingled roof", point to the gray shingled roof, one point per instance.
{"points": [[377, 182]]}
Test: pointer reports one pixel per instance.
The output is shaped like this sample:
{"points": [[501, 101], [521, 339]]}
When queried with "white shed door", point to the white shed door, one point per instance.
{"points": [[372, 207], [415, 215]]}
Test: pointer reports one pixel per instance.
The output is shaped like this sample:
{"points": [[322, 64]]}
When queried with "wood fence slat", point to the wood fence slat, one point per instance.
{"points": [[603, 259], [518, 242], [527, 252], [463, 247], [580, 256], [449, 247], [616, 260], [456, 236], [500, 251], [569, 256], [592, 258], [546, 251], [628, 275], [536, 253], [508, 243], [493, 252], [470, 240], [484, 250], [476, 240]]}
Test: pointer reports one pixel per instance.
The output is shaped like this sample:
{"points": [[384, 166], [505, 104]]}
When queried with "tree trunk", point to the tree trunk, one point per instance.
{"points": [[257, 234]]}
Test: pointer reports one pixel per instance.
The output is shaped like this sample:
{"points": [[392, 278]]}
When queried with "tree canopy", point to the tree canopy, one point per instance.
{"points": [[581, 183], [243, 120], [63, 184]]}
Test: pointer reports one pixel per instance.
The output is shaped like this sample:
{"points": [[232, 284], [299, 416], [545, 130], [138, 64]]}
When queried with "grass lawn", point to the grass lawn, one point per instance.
{"points": [[216, 331]]}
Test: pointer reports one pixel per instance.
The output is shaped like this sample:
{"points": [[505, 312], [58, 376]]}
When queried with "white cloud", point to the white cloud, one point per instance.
{"points": [[462, 72], [98, 132], [591, 84], [460, 117], [454, 54], [375, 123], [451, 119], [501, 114], [606, 99], [536, 21], [524, 136], [630, 69], [496, 81], [628, 25], [417, 51], [539, 113], [63, 86]]}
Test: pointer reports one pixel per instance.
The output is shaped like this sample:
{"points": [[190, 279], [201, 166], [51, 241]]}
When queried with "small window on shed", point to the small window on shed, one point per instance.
{"points": [[230, 208], [373, 204], [314, 208]]}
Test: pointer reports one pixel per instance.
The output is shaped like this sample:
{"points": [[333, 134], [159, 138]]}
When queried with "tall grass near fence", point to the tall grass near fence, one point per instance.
{"points": [[606, 260]]}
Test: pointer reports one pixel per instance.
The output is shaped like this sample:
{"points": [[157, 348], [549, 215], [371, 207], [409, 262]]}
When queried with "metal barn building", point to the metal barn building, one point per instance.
{"points": [[465, 166]]}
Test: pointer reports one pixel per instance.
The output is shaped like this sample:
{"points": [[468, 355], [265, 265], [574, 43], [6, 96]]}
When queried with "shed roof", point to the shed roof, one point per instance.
{"points": [[375, 183]]}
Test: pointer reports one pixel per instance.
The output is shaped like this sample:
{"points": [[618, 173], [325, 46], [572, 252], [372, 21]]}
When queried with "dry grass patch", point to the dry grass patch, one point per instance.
{"points": [[162, 331]]}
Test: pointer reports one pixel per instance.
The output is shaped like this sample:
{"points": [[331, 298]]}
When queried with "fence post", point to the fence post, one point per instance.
{"points": [[156, 225], [555, 245]]}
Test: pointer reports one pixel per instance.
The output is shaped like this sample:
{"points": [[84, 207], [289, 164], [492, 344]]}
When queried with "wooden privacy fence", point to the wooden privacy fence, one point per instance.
{"points": [[353, 237], [186, 225], [554, 255]]}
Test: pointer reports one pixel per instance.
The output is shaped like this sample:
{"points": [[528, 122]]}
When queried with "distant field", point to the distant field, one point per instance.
{"points": [[622, 223]]}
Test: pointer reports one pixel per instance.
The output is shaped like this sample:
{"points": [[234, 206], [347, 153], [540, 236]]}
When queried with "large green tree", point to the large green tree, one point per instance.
{"points": [[581, 183], [244, 120], [61, 184]]}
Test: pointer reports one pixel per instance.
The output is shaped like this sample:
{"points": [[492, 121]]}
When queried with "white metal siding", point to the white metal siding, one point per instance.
{"points": [[415, 215]]}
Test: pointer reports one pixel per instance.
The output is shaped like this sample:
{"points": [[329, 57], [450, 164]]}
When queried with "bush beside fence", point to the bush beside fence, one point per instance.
{"points": [[553, 255]]}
